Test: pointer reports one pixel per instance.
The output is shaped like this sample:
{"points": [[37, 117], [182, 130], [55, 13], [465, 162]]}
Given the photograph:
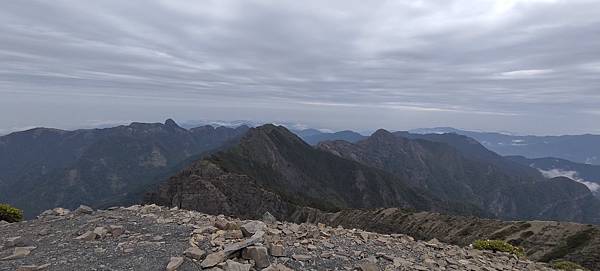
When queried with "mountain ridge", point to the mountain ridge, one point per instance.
{"points": [[42, 168], [577, 148], [458, 168]]}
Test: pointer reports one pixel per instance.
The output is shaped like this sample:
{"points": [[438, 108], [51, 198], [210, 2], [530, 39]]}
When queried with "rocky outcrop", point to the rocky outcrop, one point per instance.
{"points": [[158, 238], [542, 240], [207, 188]]}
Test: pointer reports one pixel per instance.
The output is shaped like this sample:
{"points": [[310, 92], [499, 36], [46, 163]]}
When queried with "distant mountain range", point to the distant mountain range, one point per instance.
{"points": [[273, 169], [447, 173], [313, 136], [208, 168], [44, 168], [577, 148]]}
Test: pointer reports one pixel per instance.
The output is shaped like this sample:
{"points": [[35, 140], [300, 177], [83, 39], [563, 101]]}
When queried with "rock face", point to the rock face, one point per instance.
{"points": [[45, 168], [187, 234]]}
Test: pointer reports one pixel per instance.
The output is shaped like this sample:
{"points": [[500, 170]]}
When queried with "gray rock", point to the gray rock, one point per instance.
{"points": [[252, 227], [18, 253], [205, 230], [18, 241], [301, 257], [243, 244], [277, 250], [368, 266], [235, 266], [116, 230], [83, 209], [100, 232], [174, 263], [268, 218], [234, 234], [225, 225], [258, 254], [60, 211], [87, 236], [213, 259], [194, 253]]}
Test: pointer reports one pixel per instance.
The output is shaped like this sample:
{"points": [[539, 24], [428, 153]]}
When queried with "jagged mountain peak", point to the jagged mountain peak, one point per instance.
{"points": [[170, 123]]}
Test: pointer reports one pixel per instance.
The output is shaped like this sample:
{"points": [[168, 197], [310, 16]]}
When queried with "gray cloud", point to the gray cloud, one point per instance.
{"points": [[523, 65]]}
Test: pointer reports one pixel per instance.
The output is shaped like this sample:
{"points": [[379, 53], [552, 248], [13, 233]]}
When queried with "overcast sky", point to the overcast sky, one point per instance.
{"points": [[528, 66]]}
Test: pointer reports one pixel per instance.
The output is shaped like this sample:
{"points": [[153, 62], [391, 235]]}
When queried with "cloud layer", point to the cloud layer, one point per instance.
{"points": [[524, 65], [553, 173]]}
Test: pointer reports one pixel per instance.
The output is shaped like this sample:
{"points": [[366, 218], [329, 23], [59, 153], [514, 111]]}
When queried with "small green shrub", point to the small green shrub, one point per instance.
{"points": [[566, 265], [10, 214], [499, 245]]}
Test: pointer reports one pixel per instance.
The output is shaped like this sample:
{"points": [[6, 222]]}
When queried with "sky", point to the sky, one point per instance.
{"points": [[526, 66]]}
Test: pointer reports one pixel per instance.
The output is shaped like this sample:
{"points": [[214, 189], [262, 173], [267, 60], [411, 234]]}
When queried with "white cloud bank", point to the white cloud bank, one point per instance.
{"points": [[553, 173]]}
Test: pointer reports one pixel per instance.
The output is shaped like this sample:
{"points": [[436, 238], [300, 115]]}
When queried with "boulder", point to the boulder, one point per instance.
{"points": [[100, 232], [268, 218], [194, 253], [83, 209], [258, 254], [252, 227], [235, 266], [277, 250], [213, 259], [116, 230], [60, 211]]}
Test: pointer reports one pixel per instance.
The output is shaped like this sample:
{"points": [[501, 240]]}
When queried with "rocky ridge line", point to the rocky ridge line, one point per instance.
{"points": [[151, 237]]}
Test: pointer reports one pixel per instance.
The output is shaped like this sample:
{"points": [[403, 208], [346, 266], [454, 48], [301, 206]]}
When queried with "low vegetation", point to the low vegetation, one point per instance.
{"points": [[499, 245], [571, 244], [567, 265], [10, 214]]}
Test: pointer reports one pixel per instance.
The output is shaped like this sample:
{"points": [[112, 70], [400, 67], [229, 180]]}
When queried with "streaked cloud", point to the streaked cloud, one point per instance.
{"points": [[520, 64]]}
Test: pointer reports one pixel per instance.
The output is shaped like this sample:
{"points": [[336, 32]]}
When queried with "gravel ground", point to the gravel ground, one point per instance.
{"points": [[147, 237]]}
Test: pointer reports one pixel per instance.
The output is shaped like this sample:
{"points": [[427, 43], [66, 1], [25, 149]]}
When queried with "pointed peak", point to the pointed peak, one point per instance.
{"points": [[171, 123], [382, 133]]}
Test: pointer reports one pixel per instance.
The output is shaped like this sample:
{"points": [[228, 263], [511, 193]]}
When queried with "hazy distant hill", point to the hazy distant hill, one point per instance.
{"points": [[577, 148], [313, 136], [44, 168]]}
